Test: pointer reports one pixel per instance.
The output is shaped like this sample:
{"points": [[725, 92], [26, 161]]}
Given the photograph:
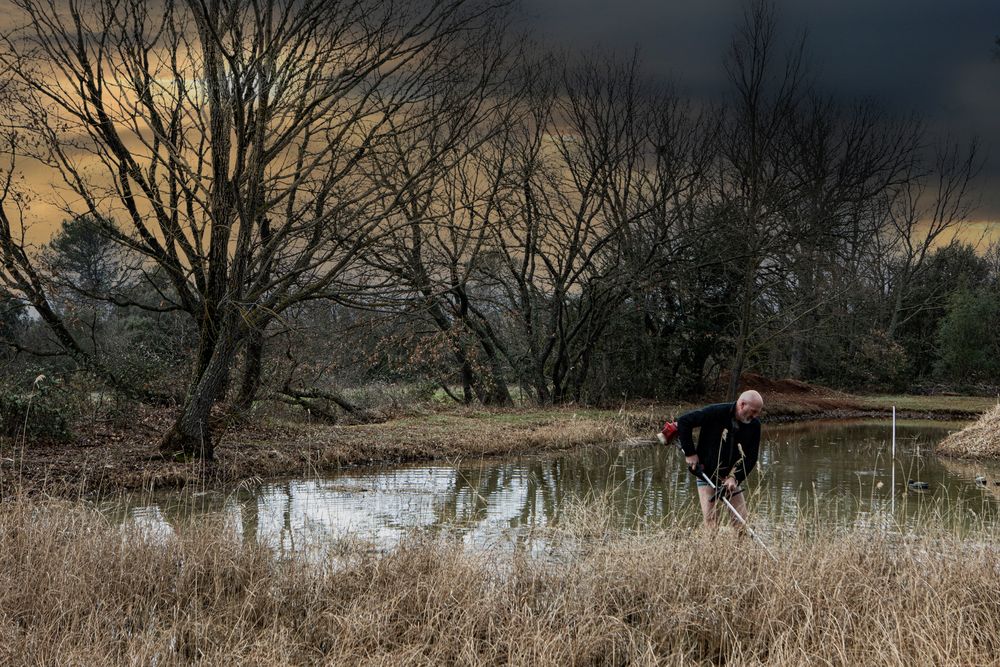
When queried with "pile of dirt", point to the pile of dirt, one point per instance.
{"points": [[788, 399], [979, 440], [786, 386]]}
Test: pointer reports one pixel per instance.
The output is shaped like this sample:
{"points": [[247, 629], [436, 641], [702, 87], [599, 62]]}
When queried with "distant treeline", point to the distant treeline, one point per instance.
{"points": [[284, 200]]}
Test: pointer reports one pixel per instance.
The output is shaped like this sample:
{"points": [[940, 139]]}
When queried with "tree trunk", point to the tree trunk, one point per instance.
{"points": [[492, 387], [191, 433], [493, 391], [253, 365], [743, 338], [488, 389], [315, 398], [737, 370], [798, 347], [897, 308], [467, 394], [796, 355], [559, 370]]}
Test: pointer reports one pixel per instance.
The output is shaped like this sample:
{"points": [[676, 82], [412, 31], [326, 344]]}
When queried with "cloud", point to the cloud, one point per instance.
{"points": [[925, 56]]}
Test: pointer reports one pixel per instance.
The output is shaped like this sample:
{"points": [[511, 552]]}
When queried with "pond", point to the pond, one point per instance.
{"points": [[834, 474]]}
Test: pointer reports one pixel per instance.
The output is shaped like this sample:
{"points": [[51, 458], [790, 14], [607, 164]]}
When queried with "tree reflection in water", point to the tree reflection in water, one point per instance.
{"points": [[825, 473]]}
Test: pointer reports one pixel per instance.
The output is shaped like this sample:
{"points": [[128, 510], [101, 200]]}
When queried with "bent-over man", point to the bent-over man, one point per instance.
{"points": [[728, 444]]}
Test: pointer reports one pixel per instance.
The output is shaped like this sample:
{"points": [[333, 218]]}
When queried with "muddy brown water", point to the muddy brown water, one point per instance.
{"points": [[821, 474]]}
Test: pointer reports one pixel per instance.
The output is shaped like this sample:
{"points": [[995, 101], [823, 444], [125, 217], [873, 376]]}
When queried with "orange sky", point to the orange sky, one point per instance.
{"points": [[45, 216]]}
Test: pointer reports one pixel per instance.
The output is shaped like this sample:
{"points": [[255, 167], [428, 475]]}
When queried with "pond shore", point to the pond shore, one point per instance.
{"points": [[104, 459]]}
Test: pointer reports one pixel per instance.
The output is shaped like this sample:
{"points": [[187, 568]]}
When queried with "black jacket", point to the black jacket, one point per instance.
{"points": [[724, 445]]}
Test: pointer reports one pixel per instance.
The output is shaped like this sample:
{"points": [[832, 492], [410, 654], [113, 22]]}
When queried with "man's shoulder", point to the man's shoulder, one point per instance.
{"points": [[721, 408], [716, 410]]}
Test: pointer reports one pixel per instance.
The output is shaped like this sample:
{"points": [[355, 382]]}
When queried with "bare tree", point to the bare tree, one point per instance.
{"points": [[18, 273], [754, 185], [431, 260], [841, 161], [925, 212], [599, 174], [225, 137]]}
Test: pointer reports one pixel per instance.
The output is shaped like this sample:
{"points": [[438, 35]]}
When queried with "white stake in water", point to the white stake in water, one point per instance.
{"points": [[892, 487]]}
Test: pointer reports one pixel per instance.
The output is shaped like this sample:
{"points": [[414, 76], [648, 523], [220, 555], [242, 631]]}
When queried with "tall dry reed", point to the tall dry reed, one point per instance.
{"points": [[977, 440], [77, 589]]}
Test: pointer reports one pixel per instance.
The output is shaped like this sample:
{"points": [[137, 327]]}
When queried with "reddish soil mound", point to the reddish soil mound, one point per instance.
{"points": [[770, 386], [783, 386], [786, 398]]}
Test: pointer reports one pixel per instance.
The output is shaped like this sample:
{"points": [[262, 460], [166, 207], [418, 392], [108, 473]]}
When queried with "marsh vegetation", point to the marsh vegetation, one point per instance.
{"points": [[77, 588]]}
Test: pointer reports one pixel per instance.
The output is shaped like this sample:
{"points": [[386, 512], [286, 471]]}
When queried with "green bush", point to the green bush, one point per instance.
{"points": [[43, 412], [874, 362], [967, 338]]}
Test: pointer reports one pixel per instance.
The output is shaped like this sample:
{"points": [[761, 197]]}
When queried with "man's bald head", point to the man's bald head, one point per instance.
{"points": [[749, 405]]}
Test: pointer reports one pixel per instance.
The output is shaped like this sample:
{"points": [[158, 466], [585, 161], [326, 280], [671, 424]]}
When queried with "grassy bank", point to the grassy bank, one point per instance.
{"points": [[115, 461], [792, 407], [106, 459], [75, 589], [961, 407]]}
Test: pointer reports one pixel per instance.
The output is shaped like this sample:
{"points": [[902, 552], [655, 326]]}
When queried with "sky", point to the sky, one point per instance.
{"points": [[935, 58]]}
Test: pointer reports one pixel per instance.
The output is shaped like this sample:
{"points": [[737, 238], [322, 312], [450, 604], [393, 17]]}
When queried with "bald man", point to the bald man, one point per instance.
{"points": [[728, 444]]}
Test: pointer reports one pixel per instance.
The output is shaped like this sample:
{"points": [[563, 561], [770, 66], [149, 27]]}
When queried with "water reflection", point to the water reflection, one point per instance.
{"points": [[823, 473]]}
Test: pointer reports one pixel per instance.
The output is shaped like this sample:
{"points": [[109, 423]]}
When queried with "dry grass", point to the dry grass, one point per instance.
{"points": [[75, 589], [978, 440], [930, 406]]}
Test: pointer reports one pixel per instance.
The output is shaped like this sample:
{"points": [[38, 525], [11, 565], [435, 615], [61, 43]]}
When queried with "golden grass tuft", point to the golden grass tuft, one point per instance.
{"points": [[77, 589], [980, 439]]}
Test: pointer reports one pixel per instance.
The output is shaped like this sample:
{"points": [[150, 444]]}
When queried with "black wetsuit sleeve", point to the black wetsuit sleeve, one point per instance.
{"points": [[686, 424]]}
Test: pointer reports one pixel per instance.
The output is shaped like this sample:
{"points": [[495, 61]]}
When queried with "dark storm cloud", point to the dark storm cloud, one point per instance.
{"points": [[926, 56]]}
